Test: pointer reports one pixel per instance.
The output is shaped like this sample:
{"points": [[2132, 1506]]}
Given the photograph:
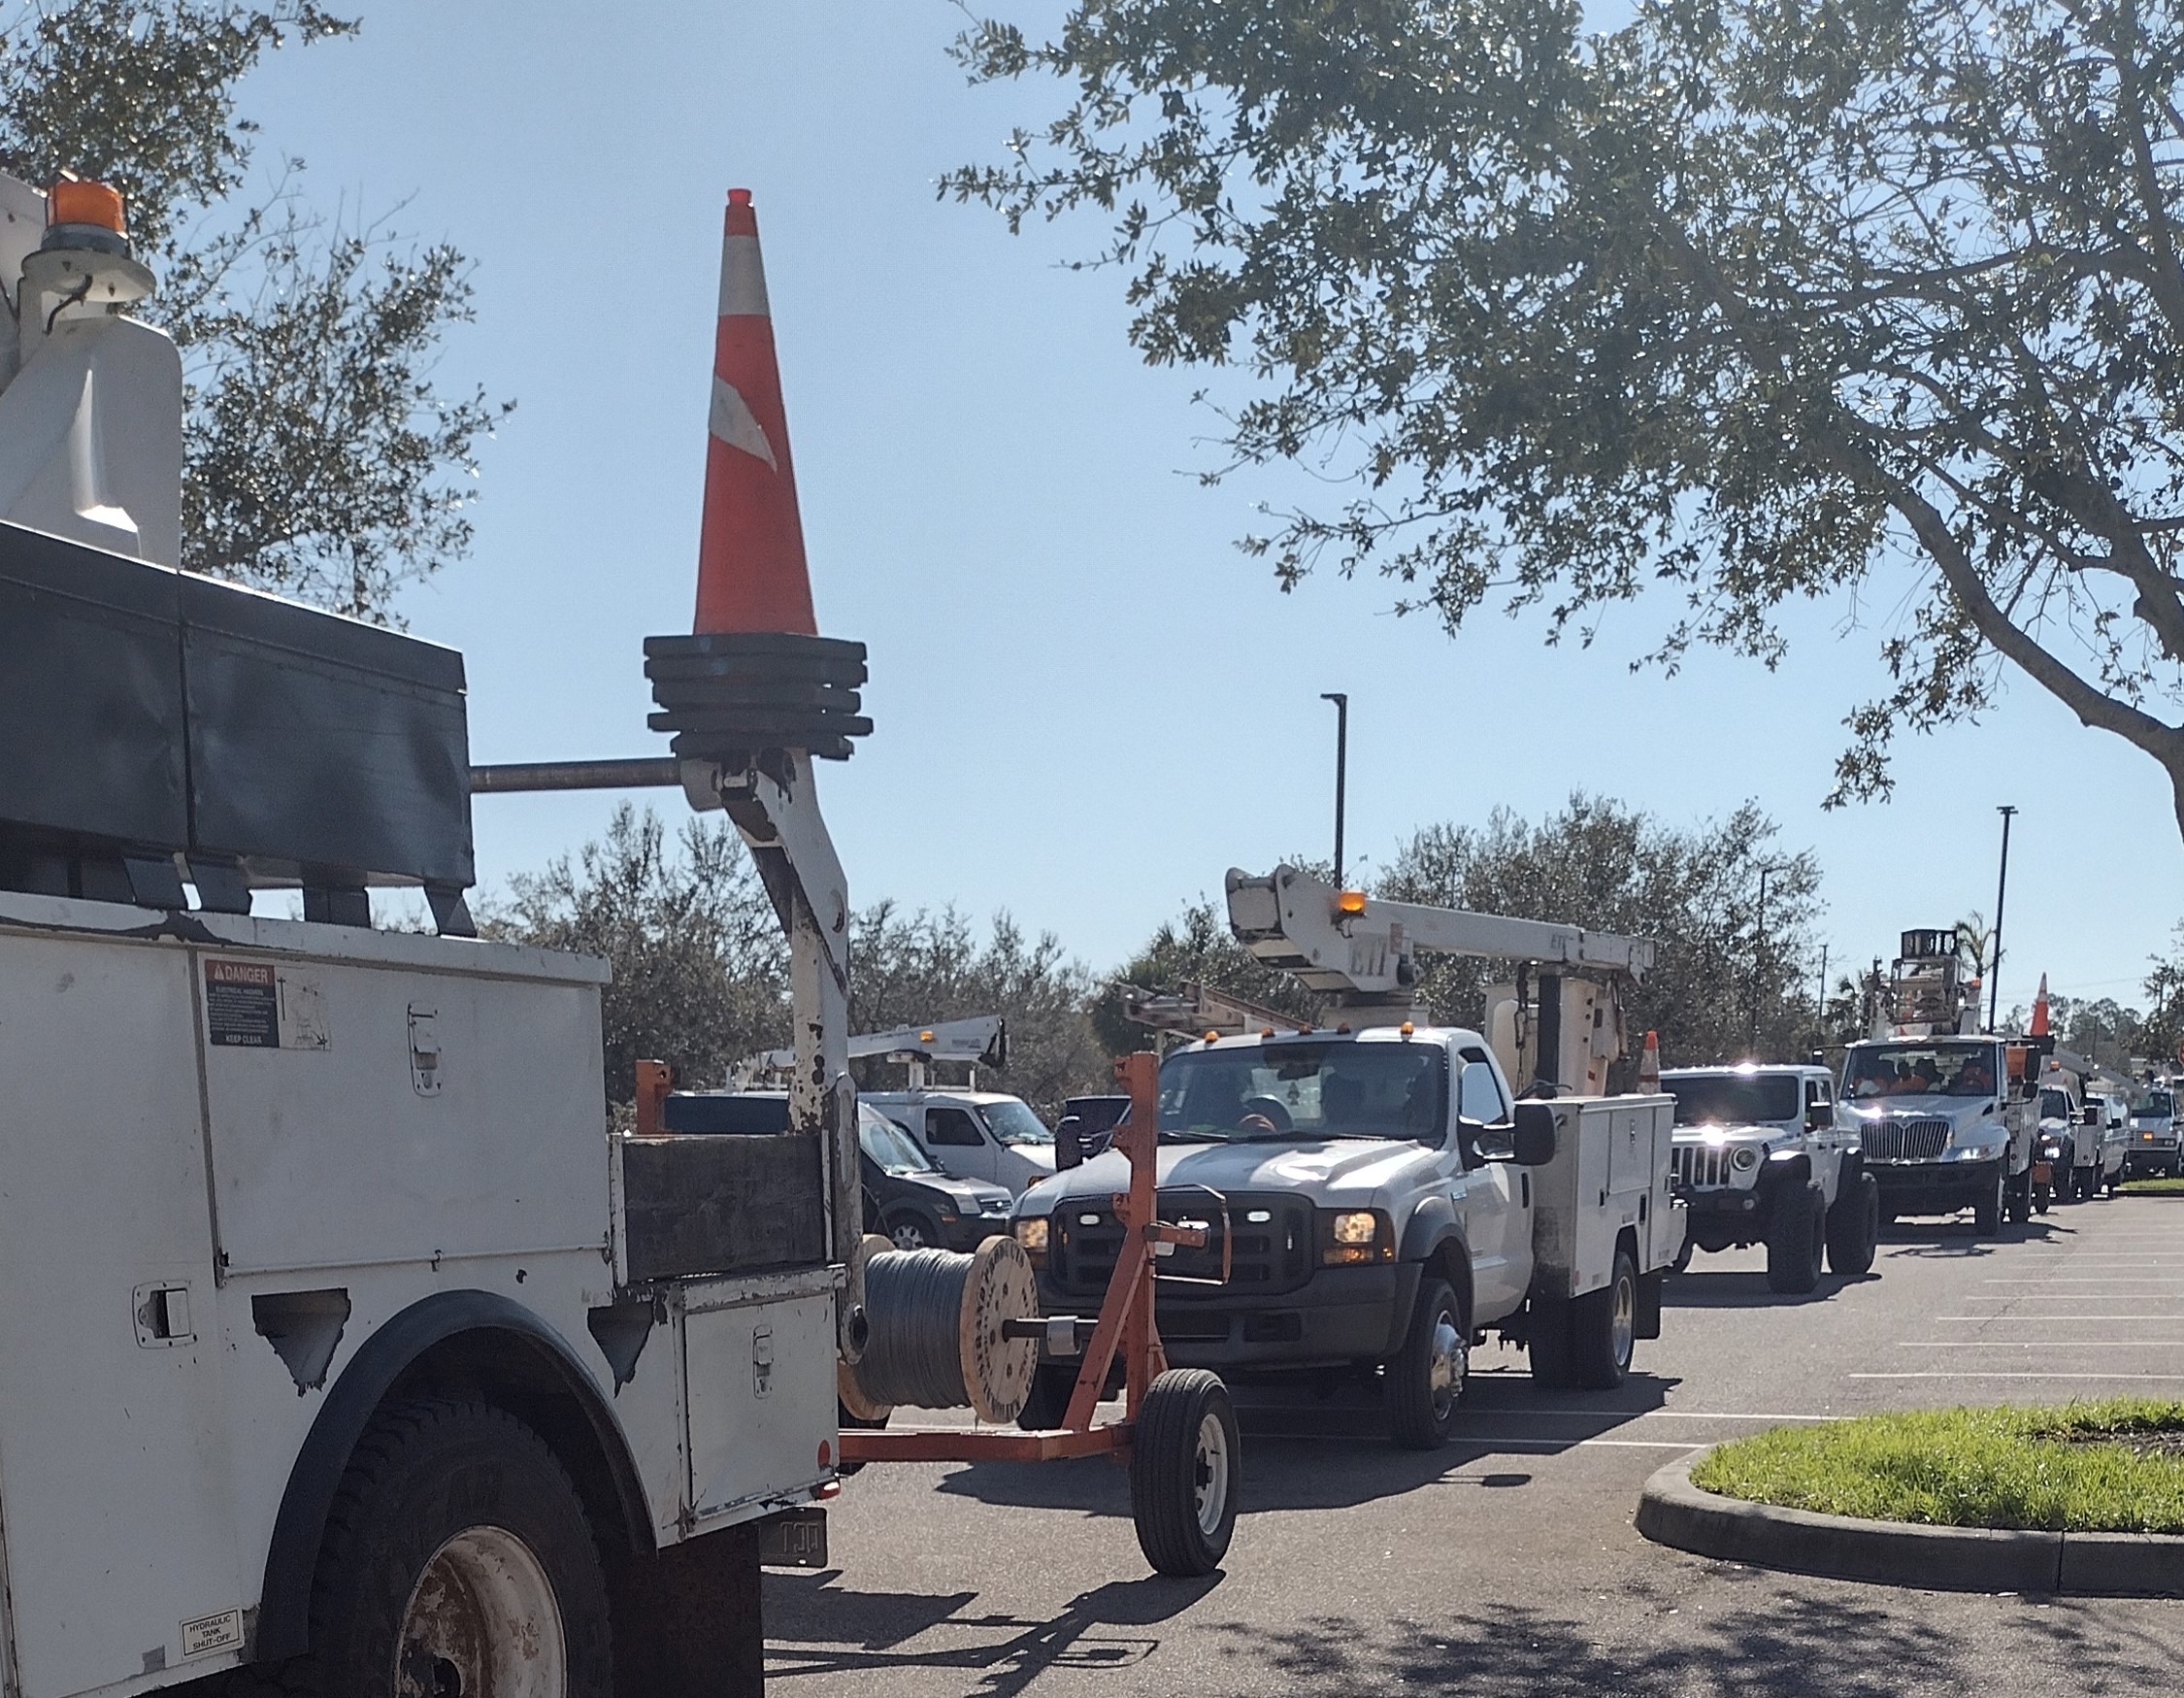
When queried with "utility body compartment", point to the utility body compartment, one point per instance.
{"points": [[245, 1160], [1610, 1174]]}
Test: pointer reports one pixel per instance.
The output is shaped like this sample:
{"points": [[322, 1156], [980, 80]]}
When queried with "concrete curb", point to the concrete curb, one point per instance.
{"points": [[1673, 1511]]}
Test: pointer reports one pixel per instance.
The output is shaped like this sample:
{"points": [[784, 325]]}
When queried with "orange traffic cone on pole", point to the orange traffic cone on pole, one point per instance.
{"points": [[1649, 1065], [751, 570], [755, 676], [2040, 1011]]}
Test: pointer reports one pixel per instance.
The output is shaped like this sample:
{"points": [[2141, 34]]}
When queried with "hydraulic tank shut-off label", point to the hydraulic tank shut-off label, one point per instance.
{"points": [[250, 1005]]}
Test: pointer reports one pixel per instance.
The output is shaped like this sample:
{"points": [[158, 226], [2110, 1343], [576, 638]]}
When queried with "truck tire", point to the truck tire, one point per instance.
{"points": [[1425, 1382], [1183, 1472], [1546, 1342], [913, 1229], [1052, 1385], [457, 1558], [1854, 1227], [1987, 1209], [1796, 1236], [1604, 1328], [2017, 1198]]}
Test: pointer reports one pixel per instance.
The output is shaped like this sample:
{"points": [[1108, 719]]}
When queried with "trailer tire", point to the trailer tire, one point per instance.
{"points": [[1854, 1227], [457, 1550], [1604, 1328], [1796, 1239], [1987, 1208], [1425, 1381], [1184, 1459]]}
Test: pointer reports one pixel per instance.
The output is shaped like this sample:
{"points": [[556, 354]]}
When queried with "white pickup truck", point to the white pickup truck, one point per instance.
{"points": [[1375, 1200]]}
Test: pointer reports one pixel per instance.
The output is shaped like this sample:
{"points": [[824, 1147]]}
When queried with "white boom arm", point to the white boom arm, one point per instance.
{"points": [[1290, 920], [981, 1040]]}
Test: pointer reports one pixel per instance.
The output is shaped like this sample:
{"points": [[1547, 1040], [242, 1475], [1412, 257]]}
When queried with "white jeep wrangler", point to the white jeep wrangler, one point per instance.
{"points": [[1759, 1159]]}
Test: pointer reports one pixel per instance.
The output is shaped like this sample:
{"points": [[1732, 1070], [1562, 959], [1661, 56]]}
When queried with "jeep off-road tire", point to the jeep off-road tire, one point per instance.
{"points": [[1796, 1239], [1184, 1460], [1425, 1381], [1987, 1208], [457, 1558], [1854, 1227], [1604, 1328]]}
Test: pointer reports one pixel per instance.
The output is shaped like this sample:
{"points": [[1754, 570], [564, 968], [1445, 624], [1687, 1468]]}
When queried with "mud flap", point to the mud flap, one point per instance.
{"points": [[1646, 1318]]}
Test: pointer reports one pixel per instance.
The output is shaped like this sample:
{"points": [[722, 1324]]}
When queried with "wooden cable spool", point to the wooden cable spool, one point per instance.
{"points": [[936, 1332]]}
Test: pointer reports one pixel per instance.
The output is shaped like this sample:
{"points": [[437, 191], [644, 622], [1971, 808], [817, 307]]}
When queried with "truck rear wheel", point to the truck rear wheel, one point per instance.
{"points": [[457, 1559], [1796, 1236], [1426, 1380], [1184, 1460], [1604, 1328], [1052, 1385], [1854, 1227]]}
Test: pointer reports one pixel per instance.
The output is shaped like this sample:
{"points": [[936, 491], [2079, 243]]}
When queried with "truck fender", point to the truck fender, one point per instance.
{"points": [[284, 1626], [1432, 1227]]}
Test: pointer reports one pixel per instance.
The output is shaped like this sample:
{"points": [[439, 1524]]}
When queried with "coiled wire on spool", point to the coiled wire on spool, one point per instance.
{"points": [[937, 1330]]}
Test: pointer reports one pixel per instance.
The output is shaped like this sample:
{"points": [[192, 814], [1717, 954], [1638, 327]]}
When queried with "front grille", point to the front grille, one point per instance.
{"points": [[1275, 1255], [1905, 1140], [1700, 1167]]}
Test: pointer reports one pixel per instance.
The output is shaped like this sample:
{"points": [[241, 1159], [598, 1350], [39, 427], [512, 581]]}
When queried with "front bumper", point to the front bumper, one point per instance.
{"points": [[1338, 1317], [967, 1232], [1932, 1187]]}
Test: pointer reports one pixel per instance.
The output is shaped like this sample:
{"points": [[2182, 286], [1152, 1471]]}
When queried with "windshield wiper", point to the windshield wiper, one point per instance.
{"points": [[1193, 1136]]}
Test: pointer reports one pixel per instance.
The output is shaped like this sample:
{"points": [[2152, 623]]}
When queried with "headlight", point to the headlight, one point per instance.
{"points": [[1350, 1236], [1743, 1157], [1031, 1233]]}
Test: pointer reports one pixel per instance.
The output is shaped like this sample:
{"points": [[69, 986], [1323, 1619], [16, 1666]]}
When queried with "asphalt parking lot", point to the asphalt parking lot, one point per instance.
{"points": [[1506, 1562]]}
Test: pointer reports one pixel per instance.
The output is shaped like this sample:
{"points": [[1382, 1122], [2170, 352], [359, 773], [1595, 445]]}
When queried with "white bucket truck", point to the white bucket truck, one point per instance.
{"points": [[1375, 1196], [342, 1337]]}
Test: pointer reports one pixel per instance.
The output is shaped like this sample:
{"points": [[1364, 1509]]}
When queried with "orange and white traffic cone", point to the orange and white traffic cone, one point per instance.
{"points": [[2040, 1011], [1649, 1065], [752, 570]]}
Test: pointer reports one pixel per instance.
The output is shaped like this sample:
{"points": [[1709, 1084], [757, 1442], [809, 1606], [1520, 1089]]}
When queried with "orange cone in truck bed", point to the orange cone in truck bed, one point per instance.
{"points": [[752, 570]]}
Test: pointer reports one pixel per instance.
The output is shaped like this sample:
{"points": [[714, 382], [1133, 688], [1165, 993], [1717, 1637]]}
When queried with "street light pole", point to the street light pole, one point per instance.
{"points": [[1759, 955], [1341, 769], [2002, 891]]}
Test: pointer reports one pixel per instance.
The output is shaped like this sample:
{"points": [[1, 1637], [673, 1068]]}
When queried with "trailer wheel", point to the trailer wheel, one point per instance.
{"points": [[457, 1559], [1426, 1380], [1796, 1238], [1854, 1227], [1184, 1461], [1604, 1329]]}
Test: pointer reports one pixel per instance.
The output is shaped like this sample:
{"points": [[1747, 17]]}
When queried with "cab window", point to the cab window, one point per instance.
{"points": [[950, 1126]]}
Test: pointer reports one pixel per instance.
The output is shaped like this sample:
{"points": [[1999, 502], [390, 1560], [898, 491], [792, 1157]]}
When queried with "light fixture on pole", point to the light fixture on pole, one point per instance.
{"points": [[2002, 889], [1341, 769]]}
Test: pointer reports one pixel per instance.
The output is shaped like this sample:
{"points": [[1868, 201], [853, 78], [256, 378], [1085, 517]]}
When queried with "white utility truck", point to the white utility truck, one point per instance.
{"points": [[1945, 1114], [1375, 1196], [1760, 1159], [342, 1335]]}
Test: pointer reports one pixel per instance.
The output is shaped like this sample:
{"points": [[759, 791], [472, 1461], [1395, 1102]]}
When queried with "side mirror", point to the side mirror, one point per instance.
{"points": [[2090, 1117], [1819, 1118], [1534, 1144]]}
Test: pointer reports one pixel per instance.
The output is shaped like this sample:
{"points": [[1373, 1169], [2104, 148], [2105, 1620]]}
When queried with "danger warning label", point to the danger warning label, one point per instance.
{"points": [[242, 1005]]}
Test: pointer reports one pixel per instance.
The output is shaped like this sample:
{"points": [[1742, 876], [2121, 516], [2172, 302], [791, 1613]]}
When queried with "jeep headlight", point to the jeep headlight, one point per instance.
{"points": [[1743, 1158]]}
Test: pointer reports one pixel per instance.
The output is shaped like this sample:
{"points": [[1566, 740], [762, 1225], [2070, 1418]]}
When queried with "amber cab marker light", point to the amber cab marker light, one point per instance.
{"points": [[1350, 902]]}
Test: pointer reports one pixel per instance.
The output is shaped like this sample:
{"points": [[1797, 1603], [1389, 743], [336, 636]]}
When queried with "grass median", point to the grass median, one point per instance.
{"points": [[2108, 1467], [2152, 1189]]}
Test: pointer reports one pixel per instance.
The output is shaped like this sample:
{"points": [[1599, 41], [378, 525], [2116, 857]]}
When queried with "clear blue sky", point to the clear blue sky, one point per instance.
{"points": [[1088, 704]]}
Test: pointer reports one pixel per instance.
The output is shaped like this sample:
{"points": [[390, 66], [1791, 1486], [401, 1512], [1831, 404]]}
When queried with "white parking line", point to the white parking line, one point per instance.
{"points": [[2051, 1320], [2088, 1279], [1688, 1414], [1976, 1374], [2040, 1343]]}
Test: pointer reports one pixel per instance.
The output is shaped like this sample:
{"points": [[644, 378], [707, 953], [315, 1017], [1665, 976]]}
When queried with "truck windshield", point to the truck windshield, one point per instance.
{"points": [[887, 1144], [1902, 1070], [2159, 1105], [1298, 1091], [1012, 1122], [2054, 1106], [1734, 1099]]}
